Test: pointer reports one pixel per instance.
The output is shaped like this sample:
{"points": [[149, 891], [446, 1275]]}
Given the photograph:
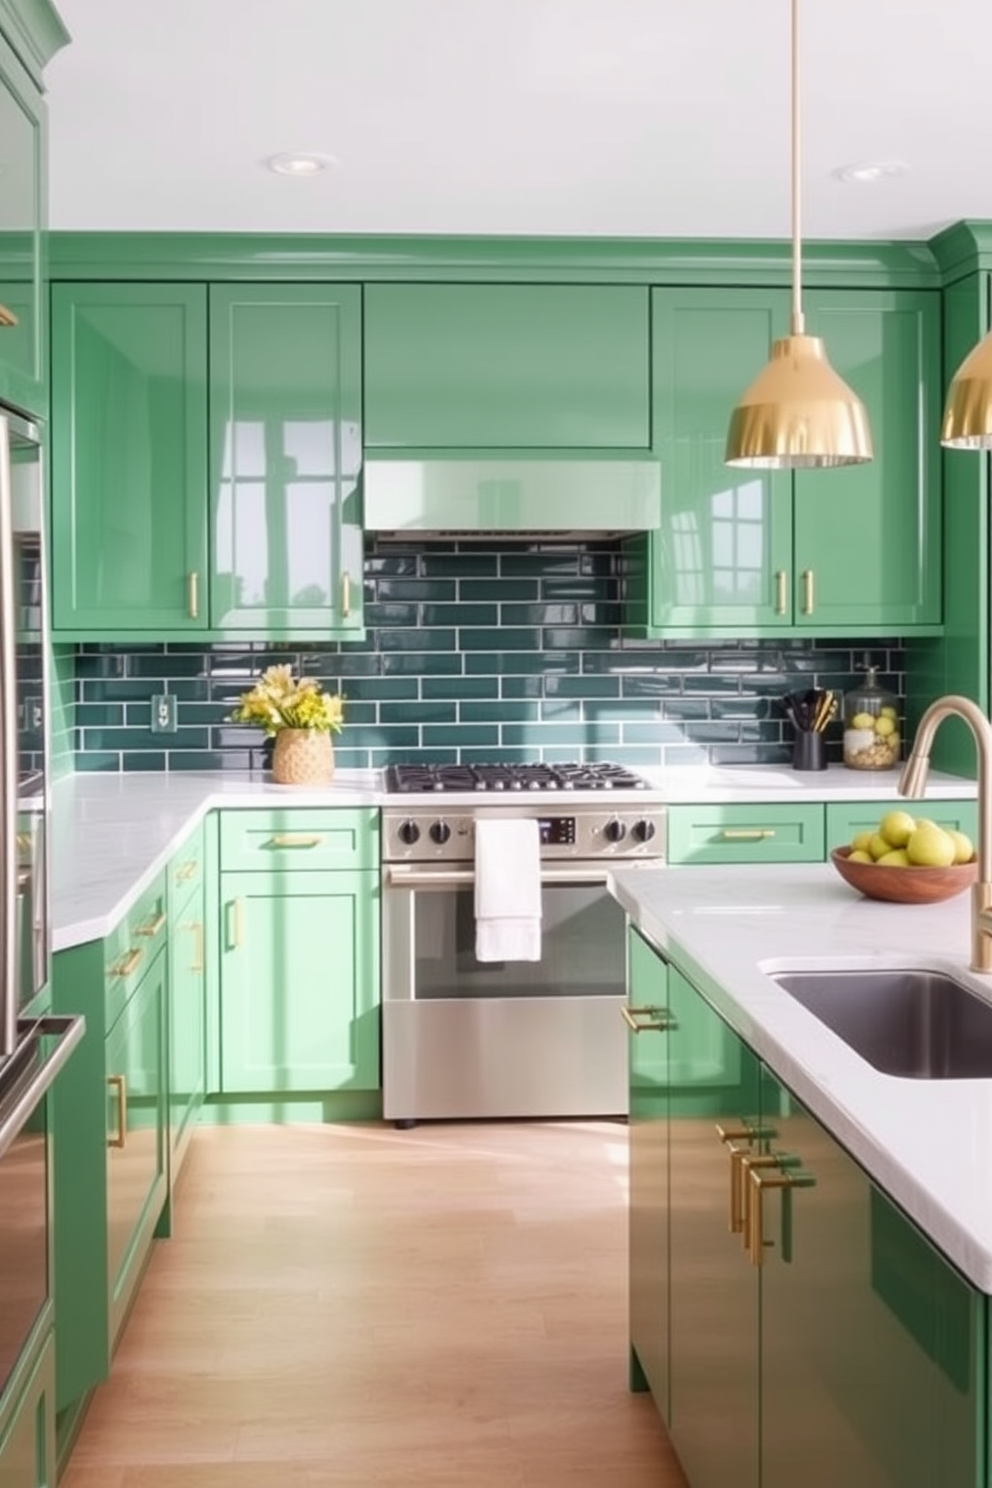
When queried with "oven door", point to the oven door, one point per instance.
{"points": [[466, 1038]]}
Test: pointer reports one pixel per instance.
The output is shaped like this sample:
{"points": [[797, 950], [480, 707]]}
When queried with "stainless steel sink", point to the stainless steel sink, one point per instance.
{"points": [[922, 1025]]}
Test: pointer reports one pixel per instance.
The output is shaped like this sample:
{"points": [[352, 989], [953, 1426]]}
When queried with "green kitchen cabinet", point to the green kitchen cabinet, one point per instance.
{"points": [[846, 818], [647, 1017], [849, 551], [27, 1427], [129, 459], [285, 458], [23, 125], [743, 833], [507, 366], [187, 1020], [298, 952]]}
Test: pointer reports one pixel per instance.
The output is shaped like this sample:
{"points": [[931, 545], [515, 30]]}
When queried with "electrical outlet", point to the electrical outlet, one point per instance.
{"points": [[163, 713]]}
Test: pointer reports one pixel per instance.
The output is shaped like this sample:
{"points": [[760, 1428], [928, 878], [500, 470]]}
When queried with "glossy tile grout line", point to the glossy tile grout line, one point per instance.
{"points": [[345, 1305]]}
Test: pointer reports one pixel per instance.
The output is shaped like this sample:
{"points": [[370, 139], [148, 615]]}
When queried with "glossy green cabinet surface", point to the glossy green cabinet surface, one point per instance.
{"points": [[129, 456], [285, 457], [27, 1433], [732, 833], [22, 217], [524, 366], [846, 818], [187, 996]]}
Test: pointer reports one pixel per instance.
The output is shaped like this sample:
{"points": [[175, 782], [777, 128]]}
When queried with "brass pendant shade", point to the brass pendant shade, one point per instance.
{"points": [[968, 413], [798, 414]]}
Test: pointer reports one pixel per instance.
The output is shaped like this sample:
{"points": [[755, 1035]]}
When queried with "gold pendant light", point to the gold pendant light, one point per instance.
{"points": [[798, 413], [968, 414]]}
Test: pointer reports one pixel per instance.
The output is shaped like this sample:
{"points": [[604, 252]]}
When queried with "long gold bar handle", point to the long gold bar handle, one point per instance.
{"points": [[781, 591], [153, 927], [732, 1137], [196, 928], [296, 839], [193, 596], [118, 1083], [807, 591], [346, 594], [747, 834], [129, 964], [783, 1161], [7, 316], [787, 1181], [643, 1019], [185, 871], [234, 908]]}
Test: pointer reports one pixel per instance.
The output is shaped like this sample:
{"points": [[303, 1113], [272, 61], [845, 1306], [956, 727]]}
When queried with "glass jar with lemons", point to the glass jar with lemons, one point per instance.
{"points": [[871, 726]]}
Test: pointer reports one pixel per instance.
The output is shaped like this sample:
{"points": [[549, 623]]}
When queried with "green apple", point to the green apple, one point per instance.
{"points": [[897, 827], [964, 848], [897, 858], [930, 847]]}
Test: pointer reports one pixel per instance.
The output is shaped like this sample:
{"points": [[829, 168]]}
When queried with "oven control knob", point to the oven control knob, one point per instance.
{"points": [[614, 831], [408, 832], [439, 832], [642, 831]]}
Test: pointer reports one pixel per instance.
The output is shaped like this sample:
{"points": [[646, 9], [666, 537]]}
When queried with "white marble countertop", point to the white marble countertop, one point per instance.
{"points": [[926, 1142], [763, 783]]}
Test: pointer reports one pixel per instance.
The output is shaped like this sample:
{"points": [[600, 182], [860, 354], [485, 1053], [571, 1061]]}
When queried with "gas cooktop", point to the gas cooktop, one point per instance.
{"points": [[430, 779]]}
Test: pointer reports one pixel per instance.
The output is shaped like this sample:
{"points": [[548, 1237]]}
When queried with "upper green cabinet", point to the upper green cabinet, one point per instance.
{"points": [[822, 552], [506, 366], [182, 509], [285, 457], [129, 468], [22, 216]]}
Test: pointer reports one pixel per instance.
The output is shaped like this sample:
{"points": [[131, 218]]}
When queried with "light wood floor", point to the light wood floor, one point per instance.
{"points": [[358, 1307]]}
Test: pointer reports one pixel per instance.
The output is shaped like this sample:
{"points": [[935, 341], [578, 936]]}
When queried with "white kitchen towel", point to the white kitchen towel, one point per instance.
{"points": [[507, 889]]}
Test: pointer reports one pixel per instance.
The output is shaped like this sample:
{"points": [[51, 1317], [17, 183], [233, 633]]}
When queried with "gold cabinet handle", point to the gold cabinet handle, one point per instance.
{"points": [[747, 834], [758, 1182], [646, 1019], [781, 591], [185, 871], [234, 924], [193, 594], [195, 927], [129, 964], [7, 317], [807, 591], [118, 1083], [296, 839], [153, 927], [346, 594], [781, 1161], [732, 1137]]}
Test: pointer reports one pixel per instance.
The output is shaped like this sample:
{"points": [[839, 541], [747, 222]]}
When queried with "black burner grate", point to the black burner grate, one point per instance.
{"points": [[600, 776]]}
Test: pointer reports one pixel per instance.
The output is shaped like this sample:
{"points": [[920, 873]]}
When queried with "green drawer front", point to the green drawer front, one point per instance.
{"points": [[299, 840], [745, 834], [132, 945], [185, 872], [846, 818]]}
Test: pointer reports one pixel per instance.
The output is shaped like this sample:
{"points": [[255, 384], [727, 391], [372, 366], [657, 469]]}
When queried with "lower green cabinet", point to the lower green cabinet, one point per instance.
{"points": [[846, 818], [187, 1018], [27, 1428]]}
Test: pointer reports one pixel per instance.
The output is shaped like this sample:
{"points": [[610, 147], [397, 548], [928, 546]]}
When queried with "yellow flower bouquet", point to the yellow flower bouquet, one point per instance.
{"points": [[301, 717]]}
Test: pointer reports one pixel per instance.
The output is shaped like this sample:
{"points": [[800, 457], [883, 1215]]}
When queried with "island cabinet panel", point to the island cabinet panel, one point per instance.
{"points": [[129, 457], [521, 366], [187, 996], [27, 1428], [647, 987], [871, 1344], [23, 128]]}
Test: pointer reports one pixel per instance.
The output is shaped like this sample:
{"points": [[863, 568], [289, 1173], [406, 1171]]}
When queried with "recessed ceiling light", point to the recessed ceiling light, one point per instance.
{"points": [[302, 164], [867, 172]]}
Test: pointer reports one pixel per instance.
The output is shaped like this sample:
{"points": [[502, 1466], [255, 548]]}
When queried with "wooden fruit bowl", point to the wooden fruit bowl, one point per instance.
{"points": [[904, 885]]}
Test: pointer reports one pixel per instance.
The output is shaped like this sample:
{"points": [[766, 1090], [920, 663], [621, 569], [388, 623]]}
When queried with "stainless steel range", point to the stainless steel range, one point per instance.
{"points": [[467, 1038]]}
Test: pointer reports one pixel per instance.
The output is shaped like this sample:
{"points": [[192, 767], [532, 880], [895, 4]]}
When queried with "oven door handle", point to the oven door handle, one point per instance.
{"points": [[14, 1114], [401, 877]]}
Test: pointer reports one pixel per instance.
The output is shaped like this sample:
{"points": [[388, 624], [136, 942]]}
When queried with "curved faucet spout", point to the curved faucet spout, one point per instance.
{"points": [[913, 782]]}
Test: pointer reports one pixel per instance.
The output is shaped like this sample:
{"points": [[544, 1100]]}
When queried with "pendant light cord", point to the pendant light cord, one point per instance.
{"points": [[798, 320]]}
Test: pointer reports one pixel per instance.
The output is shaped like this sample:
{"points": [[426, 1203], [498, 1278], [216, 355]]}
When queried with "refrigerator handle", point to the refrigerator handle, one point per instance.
{"points": [[8, 757]]}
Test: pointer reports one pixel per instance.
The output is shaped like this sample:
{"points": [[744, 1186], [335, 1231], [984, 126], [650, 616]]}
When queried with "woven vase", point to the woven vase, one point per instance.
{"points": [[303, 757]]}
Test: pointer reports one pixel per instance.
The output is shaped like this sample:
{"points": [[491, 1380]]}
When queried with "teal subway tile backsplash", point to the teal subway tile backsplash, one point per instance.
{"points": [[473, 652]]}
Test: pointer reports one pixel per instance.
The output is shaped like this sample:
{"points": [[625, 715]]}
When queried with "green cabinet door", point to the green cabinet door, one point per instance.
{"points": [[713, 1098], [722, 556], [868, 537], [135, 1135], [129, 513], [846, 818], [299, 982], [27, 1433], [22, 171], [871, 1344], [647, 993], [522, 366], [285, 457], [187, 1024]]}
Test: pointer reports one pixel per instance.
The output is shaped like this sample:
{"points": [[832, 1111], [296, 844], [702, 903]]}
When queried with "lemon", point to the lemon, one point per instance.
{"points": [[897, 827], [858, 855], [889, 712], [884, 726], [964, 848], [878, 846], [862, 721], [930, 847], [897, 858], [862, 843]]}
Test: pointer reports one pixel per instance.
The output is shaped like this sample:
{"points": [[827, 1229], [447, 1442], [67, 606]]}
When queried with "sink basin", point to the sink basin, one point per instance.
{"points": [[922, 1025]]}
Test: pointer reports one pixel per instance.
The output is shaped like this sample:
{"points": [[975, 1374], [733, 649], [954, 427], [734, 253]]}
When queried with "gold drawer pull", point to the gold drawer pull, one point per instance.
{"points": [[118, 1083], [732, 1137], [807, 591], [234, 924], [195, 927], [346, 594], [185, 871], [781, 591], [193, 595], [644, 1019], [7, 317], [153, 927], [782, 1161], [756, 1241], [747, 834], [296, 839], [129, 964]]}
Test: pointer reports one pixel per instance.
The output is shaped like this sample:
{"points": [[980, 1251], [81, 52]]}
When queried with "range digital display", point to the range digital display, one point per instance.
{"points": [[557, 831]]}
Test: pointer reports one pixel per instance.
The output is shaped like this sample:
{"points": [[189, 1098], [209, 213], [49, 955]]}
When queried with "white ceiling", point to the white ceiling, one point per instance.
{"points": [[659, 118]]}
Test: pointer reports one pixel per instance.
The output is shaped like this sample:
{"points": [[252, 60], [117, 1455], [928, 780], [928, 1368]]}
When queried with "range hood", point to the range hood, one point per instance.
{"points": [[452, 495]]}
